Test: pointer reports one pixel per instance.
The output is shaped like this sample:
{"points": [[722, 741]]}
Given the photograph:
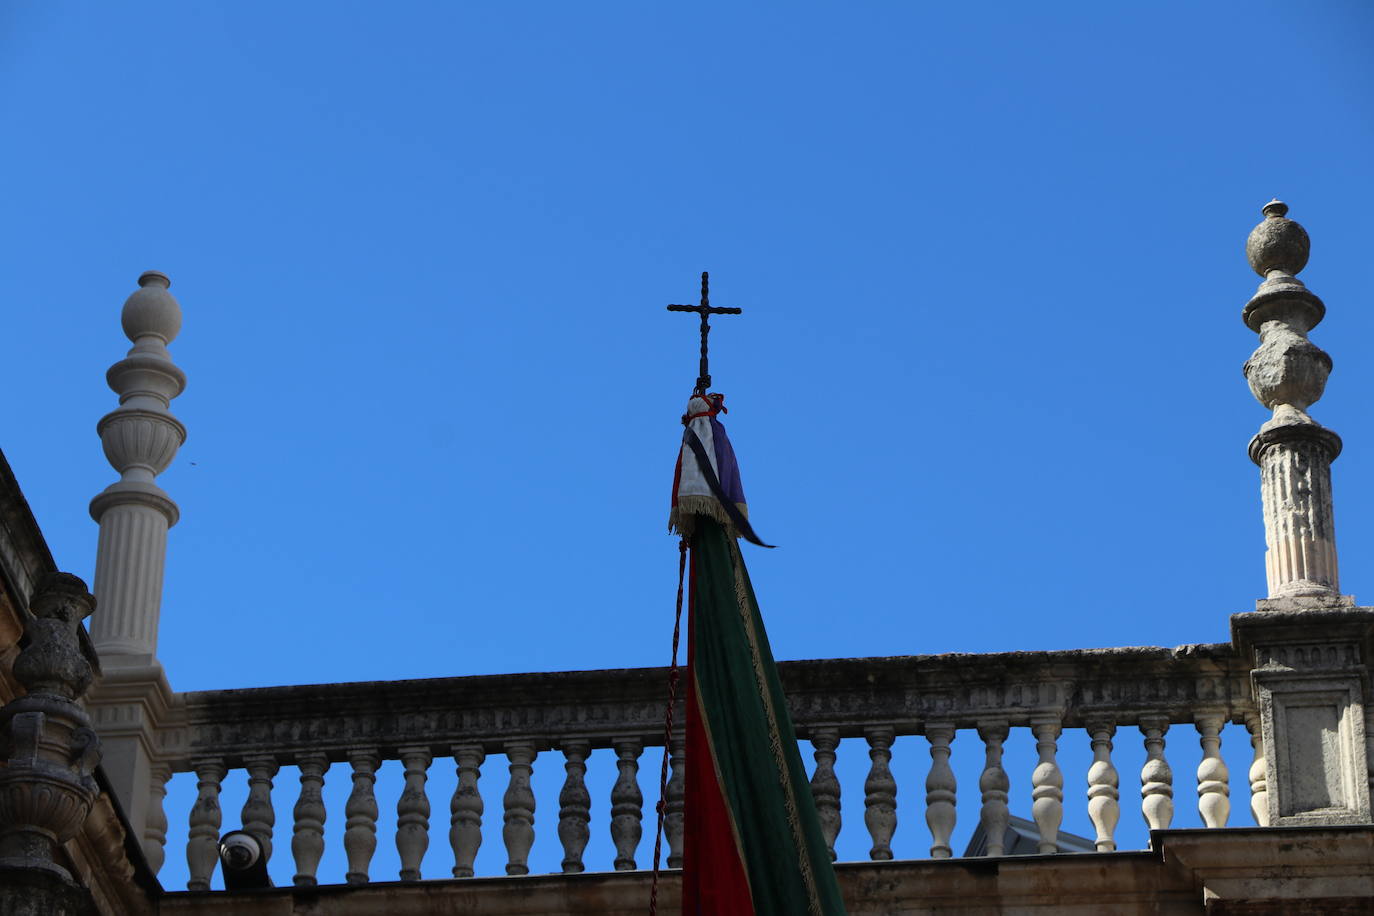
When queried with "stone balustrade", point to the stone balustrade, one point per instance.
{"points": [[529, 718]]}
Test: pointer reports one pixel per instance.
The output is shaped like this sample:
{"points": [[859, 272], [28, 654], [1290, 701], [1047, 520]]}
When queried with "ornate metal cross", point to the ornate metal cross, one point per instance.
{"points": [[705, 310]]}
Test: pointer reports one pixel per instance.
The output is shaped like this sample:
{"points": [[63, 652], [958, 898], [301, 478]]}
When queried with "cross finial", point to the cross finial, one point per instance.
{"points": [[705, 310]]}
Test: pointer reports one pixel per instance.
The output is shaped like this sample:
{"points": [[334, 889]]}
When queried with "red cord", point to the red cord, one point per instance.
{"points": [[668, 726]]}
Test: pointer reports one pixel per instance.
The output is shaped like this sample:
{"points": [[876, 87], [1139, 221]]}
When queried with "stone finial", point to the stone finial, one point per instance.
{"points": [[1287, 374], [1288, 370], [51, 751], [151, 311], [1277, 243], [52, 662], [140, 438], [1277, 249]]}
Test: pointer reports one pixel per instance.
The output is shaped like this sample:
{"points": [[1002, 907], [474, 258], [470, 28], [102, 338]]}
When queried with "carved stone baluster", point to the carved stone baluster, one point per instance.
{"points": [[672, 818], [307, 836], [574, 806], [1213, 778], [1104, 807], [825, 785], [1259, 780], [360, 828], [1047, 784], [155, 828], [627, 804], [412, 812], [941, 789], [465, 822], [202, 844], [880, 793], [257, 816], [994, 785], [1156, 779], [519, 803]]}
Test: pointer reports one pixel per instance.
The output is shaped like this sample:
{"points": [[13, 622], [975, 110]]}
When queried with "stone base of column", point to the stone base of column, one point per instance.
{"points": [[1311, 685], [134, 711]]}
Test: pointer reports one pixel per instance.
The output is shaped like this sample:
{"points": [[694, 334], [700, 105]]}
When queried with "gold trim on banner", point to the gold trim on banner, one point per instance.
{"points": [[774, 738]]}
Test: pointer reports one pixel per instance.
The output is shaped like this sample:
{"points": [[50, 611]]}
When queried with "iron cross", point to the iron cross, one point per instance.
{"points": [[705, 310]]}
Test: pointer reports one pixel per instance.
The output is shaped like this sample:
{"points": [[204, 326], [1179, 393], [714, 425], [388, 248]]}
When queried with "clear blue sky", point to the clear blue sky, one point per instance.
{"points": [[986, 389]]}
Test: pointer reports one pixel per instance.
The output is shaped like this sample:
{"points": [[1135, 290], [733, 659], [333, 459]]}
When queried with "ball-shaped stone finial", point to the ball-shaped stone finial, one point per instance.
{"points": [[151, 310], [1277, 243]]}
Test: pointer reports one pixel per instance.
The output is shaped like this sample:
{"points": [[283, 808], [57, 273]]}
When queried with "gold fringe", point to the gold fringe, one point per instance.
{"points": [[774, 739], [681, 519]]}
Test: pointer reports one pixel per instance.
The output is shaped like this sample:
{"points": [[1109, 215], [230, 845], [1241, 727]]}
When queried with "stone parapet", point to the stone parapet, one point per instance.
{"points": [[1186, 873], [523, 717], [849, 695]]}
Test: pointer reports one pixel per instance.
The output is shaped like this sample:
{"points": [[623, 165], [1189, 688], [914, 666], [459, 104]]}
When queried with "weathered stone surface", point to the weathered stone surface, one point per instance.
{"points": [[1309, 678], [1277, 243], [53, 662], [878, 699], [848, 695], [1287, 368], [29, 892], [1187, 872], [47, 784], [1288, 374]]}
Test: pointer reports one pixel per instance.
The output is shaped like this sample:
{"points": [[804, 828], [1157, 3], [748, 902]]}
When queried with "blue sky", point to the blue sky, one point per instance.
{"points": [[985, 391]]}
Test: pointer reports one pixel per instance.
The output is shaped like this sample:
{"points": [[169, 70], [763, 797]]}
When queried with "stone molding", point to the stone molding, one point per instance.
{"points": [[126, 493], [1186, 873], [601, 707]]}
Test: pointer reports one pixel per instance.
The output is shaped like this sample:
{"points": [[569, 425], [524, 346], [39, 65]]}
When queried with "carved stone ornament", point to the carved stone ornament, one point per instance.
{"points": [[50, 749], [1287, 374]]}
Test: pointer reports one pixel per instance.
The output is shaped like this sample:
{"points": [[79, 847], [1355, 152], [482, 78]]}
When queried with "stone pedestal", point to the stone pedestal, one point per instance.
{"points": [[136, 714], [1311, 683]]}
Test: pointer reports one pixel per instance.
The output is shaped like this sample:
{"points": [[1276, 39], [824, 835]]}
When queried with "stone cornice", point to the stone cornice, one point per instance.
{"points": [[1294, 432], [137, 700], [548, 709], [1298, 620]]}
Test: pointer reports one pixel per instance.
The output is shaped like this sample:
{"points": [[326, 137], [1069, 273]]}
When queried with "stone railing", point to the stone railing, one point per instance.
{"points": [[573, 713]]}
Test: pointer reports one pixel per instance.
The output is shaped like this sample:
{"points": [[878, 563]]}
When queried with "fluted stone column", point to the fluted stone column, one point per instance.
{"points": [[1288, 374], [140, 438], [1307, 640]]}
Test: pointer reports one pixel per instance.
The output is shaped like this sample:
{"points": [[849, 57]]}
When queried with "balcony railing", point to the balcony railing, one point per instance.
{"points": [[571, 714]]}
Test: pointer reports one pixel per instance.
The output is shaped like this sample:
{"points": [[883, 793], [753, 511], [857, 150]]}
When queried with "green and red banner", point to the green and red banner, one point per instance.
{"points": [[752, 842]]}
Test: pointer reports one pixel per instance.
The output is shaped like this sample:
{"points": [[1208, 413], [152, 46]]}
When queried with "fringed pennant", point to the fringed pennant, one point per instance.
{"points": [[752, 842], [706, 481]]}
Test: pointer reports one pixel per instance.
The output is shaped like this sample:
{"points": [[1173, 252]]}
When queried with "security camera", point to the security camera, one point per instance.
{"points": [[242, 861]]}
